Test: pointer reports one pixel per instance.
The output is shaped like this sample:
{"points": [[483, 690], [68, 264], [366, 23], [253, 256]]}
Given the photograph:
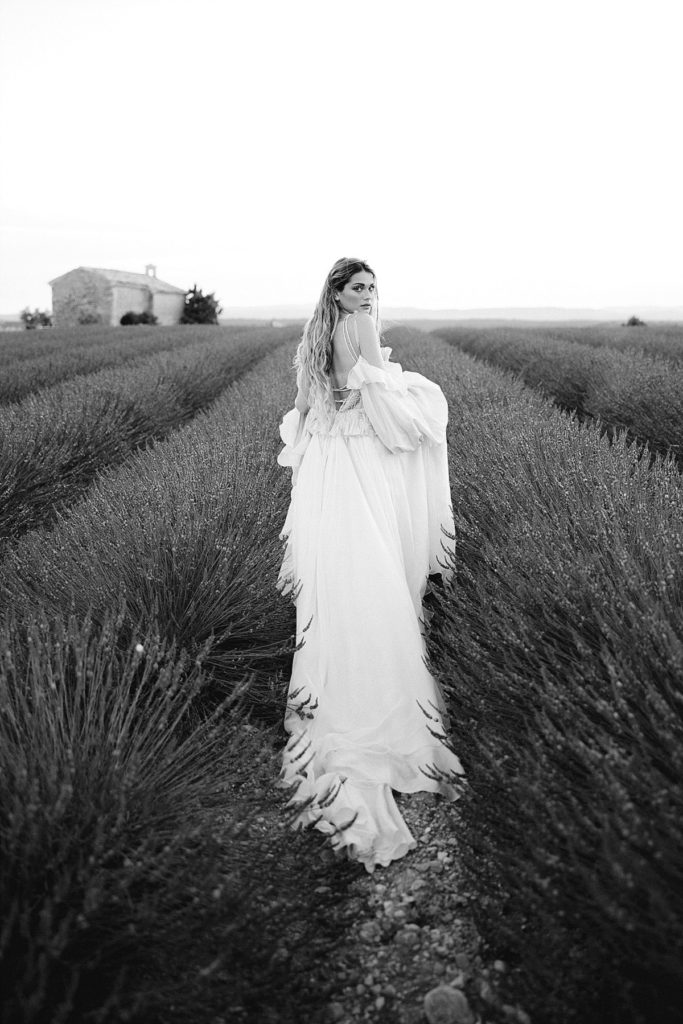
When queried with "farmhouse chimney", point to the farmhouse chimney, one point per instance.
{"points": [[150, 270]]}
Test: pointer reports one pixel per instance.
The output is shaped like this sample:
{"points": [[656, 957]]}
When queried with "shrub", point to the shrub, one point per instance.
{"points": [[138, 318], [186, 534], [115, 844], [53, 444], [659, 341], [69, 353], [559, 647], [618, 389], [633, 321], [179, 924]]}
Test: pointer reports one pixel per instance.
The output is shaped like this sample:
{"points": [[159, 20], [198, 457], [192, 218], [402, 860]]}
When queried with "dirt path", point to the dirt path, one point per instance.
{"points": [[328, 943]]}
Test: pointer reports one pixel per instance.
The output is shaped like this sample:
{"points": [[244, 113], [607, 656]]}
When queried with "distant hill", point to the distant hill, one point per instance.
{"points": [[534, 313]]}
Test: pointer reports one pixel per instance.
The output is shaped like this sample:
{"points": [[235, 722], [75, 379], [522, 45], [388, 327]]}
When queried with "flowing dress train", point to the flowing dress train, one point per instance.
{"points": [[370, 496]]}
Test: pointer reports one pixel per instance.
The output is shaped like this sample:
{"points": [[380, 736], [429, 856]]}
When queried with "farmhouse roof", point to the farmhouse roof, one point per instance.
{"points": [[129, 278]]}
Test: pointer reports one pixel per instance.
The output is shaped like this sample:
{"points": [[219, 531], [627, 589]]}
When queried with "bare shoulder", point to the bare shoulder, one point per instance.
{"points": [[365, 325], [361, 317]]}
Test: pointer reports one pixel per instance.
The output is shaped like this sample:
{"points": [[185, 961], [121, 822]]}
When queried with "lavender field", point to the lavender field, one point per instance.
{"points": [[144, 652]]}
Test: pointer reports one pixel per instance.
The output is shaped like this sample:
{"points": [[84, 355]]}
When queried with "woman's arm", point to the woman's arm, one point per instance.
{"points": [[367, 340], [301, 402]]}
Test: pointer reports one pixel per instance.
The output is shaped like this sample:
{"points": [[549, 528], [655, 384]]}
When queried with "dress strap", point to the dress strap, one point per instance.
{"points": [[347, 338]]}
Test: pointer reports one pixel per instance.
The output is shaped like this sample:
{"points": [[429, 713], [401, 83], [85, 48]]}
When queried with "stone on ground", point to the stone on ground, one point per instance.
{"points": [[447, 1005]]}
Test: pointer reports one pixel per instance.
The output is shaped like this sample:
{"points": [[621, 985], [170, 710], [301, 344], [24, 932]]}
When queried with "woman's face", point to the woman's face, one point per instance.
{"points": [[358, 293]]}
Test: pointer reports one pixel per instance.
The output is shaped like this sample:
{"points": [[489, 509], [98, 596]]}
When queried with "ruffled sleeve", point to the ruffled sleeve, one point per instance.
{"points": [[404, 408], [296, 440]]}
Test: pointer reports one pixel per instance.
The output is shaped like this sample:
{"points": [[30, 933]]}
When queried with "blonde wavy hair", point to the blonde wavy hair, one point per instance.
{"points": [[313, 360]]}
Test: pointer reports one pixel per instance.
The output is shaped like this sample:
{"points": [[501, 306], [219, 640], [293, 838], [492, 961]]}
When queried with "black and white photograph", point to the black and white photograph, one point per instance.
{"points": [[341, 512]]}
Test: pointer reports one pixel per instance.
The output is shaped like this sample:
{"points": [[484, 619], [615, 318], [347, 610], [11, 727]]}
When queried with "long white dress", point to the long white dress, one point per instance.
{"points": [[370, 495]]}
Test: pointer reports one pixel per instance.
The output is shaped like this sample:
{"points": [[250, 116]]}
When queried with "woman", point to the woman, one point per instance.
{"points": [[370, 495]]}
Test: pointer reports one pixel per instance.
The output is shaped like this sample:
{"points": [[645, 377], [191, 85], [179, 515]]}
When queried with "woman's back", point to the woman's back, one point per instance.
{"points": [[354, 336]]}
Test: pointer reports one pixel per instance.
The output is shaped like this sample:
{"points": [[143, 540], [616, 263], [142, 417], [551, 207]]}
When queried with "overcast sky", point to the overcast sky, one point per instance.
{"points": [[479, 153]]}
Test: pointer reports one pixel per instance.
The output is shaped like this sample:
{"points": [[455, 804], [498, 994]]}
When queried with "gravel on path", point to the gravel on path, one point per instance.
{"points": [[372, 947], [318, 940]]}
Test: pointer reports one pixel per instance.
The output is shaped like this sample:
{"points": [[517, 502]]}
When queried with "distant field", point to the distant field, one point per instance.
{"points": [[624, 377], [94, 397]]}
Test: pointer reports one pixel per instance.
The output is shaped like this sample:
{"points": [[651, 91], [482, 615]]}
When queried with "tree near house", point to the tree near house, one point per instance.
{"points": [[200, 308]]}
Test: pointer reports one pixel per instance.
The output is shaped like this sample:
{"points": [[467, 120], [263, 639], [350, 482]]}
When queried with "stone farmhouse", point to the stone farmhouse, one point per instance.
{"points": [[89, 295]]}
